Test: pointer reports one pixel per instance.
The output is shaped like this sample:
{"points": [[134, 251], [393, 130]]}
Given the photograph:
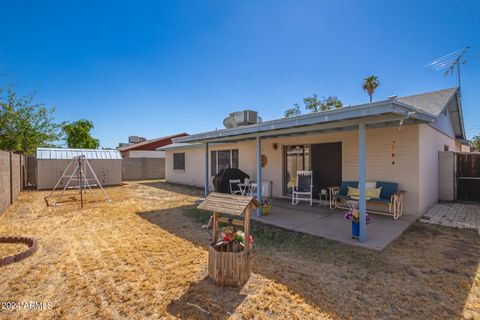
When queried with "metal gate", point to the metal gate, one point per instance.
{"points": [[468, 177]]}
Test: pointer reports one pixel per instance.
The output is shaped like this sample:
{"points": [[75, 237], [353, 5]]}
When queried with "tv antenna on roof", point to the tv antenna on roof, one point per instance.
{"points": [[453, 61]]}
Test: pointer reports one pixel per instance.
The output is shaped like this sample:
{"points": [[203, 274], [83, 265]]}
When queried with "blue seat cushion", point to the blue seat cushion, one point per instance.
{"points": [[388, 189], [344, 187]]}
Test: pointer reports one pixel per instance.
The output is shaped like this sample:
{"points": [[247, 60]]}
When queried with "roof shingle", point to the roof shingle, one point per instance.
{"points": [[431, 102]]}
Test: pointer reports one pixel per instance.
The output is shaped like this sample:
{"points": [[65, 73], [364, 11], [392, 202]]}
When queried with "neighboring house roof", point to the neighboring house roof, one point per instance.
{"points": [[152, 144], [67, 154], [417, 108]]}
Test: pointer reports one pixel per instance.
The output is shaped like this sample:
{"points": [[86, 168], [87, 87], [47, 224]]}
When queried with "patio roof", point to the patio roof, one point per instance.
{"points": [[381, 112]]}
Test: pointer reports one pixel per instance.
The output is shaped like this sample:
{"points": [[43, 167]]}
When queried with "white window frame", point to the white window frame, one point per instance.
{"points": [[184, 162], [231, 159]]}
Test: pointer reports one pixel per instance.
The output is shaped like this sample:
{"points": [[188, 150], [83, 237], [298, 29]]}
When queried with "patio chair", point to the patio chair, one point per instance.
{"points": [[252, 190], [234, 187], [303, 189]]}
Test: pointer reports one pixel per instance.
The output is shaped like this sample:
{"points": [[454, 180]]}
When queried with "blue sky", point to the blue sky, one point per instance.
{"points": [[154, 68]]}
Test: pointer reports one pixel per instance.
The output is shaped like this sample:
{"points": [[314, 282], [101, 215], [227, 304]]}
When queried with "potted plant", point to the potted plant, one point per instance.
{"points": [[234, 239], [266, 206], [354, 216]]}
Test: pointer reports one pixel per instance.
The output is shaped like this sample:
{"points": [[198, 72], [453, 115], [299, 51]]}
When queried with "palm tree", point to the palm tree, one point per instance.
{"points": [[370, 84]]}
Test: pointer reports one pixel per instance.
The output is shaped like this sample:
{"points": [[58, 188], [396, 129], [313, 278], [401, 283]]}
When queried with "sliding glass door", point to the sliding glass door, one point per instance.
{"points": [[297, 158]]}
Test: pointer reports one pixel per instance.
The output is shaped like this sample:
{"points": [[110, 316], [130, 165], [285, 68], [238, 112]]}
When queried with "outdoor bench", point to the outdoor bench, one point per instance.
{"points": [[389, 196]]}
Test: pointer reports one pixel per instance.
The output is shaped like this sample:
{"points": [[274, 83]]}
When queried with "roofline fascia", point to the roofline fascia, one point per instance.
{"points": [[147, 142], [187, 146], [323, 118], [456, 96]]}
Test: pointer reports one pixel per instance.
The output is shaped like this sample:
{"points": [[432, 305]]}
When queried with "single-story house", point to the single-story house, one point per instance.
{"points": [[394, 140], [148, 148]]}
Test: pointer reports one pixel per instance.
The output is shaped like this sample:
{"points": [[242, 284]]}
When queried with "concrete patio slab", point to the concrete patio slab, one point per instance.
{"points": [[282, 215], [330, 224], [380, 232]]}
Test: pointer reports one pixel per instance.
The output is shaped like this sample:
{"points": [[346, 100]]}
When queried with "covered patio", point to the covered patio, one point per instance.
{"points": [[331, 224], [321, 221]]}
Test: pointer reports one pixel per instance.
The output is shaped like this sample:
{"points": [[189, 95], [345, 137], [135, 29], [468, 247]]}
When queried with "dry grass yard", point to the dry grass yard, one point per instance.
{"points": [[144, 256]]}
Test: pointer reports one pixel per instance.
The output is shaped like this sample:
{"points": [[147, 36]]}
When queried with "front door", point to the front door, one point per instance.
{"points": [[297, 158], [326, 165]]}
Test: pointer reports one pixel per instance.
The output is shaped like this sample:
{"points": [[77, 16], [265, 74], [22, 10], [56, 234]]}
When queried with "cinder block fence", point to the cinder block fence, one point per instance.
{"points": [[12, 168]]}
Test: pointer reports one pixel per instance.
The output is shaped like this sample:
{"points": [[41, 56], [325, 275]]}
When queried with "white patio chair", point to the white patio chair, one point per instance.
{"points": [[303, 189], [252, 189], [234, 188]]}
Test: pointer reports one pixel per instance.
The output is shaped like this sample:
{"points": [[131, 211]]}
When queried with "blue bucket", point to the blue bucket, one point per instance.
{"points": [[355, 230]]}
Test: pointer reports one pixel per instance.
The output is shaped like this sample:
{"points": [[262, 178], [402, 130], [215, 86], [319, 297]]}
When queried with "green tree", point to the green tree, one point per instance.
{"points": [[329, 103], [25, 125], [370, 84], [476, 143], [292, 112], [78, 135], [312, 103]]}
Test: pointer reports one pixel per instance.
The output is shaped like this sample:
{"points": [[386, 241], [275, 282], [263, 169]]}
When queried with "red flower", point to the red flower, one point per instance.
{"points": [[227, 238], [250, 239]]}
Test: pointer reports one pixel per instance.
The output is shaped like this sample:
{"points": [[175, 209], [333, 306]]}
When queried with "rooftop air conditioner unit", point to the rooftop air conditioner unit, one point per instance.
{"points": [[241, 118], [136, 139]]}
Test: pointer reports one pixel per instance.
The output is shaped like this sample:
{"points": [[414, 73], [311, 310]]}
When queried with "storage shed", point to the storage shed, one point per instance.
{"points": [[51, 162]]}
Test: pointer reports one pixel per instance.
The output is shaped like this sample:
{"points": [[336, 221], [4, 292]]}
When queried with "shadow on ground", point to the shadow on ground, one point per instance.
{"points": [[427, 273], [177, 188], [205, 300]]}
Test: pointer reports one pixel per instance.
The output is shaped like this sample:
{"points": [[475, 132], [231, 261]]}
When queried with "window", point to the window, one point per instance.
{"points": [[179, 161], [446, 147], [223, 159]]}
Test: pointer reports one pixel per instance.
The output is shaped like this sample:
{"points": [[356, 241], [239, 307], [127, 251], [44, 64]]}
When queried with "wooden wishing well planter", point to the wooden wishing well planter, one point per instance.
{"points": [[229, 262]]}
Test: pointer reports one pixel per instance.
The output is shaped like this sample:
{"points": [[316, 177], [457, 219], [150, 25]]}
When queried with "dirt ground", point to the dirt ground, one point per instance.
{"points": [[144, 256]]}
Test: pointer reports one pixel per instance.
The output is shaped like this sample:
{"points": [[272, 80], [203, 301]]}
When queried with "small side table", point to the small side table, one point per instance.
{"points": [[323, 199]]}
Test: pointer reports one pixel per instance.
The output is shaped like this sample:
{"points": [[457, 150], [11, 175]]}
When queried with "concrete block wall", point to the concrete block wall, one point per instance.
{"points": [[16, 176], [11, 181], [4, 180], [143, 169]]}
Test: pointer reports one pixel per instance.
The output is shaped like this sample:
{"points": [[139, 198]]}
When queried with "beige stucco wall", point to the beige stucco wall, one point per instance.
{"points": [[431, 141], [379, 142]]}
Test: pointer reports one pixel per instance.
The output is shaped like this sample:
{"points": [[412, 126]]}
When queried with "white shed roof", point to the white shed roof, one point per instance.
{"points": [[59, 153]]}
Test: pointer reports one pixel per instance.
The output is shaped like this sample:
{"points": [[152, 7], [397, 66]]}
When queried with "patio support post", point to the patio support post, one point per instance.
{"points": [[362, 203], [206, 169], [259, 174]]}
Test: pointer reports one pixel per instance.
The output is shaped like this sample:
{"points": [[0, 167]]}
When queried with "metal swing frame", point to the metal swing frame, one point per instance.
{"points": [[78, 174]]}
